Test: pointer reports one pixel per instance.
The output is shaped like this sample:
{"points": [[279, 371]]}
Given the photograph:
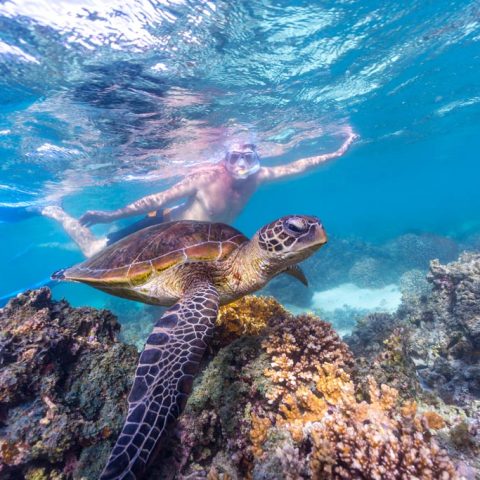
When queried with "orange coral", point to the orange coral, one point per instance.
{"points": [[434, 420], [299, 348], [248, 316], [258, 433], [11, 453], [213, 474], [309, 404]]}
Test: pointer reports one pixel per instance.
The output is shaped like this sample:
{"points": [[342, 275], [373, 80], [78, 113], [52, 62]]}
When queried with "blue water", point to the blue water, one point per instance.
{"points": [[104, 102]]}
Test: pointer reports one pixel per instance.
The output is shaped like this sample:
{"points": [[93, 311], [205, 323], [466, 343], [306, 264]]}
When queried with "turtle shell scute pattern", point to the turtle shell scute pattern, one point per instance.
{"points": [[134, 259]]}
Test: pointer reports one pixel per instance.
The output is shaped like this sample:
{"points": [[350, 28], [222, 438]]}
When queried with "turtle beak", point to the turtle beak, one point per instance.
{"points": [[321, 235], [318, 235]]}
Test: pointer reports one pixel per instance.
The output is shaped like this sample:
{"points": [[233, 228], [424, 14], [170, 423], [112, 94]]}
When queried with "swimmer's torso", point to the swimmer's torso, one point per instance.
{"points": [[219, 198]]}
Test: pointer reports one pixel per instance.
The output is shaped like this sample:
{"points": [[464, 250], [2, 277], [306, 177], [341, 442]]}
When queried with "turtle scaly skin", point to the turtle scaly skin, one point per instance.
{"points": [[191, 267]]}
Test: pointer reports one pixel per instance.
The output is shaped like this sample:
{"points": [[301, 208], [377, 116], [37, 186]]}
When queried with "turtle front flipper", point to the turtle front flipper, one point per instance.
{"points": [[163, 380]]}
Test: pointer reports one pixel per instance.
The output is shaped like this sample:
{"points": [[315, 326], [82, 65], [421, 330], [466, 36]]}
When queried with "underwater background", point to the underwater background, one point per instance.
{"points": [[104, 102]]}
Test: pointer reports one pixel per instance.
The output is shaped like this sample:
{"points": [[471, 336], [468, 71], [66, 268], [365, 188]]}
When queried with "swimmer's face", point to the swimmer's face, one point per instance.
{"points": [[242, 162]]}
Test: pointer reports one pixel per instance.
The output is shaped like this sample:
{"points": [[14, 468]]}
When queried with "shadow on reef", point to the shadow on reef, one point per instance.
{"points": [[279, 396]]}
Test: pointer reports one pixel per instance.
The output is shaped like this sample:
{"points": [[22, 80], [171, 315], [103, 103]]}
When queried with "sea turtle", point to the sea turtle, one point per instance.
{"points": [[191, 267]]}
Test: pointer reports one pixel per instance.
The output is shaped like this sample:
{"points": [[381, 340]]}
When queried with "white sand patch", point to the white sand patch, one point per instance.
{"points": [[348, 295]]}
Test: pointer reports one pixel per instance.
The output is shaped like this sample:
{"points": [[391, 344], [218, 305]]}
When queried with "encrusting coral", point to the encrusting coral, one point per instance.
{"points": [[247, 316]]}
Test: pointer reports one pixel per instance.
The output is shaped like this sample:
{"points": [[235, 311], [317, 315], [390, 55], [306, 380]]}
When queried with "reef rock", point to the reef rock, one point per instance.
{"points": [[445, 342], [437, 331], [64, 379]]}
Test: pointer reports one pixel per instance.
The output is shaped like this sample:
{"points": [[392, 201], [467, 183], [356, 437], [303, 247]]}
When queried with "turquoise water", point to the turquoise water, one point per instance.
{"points": [[102, 103]]}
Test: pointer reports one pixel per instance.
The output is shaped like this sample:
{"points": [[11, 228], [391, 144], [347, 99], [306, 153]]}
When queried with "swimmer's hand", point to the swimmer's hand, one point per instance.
{"points": [[347, 130], [351, 137], [92, 217]]}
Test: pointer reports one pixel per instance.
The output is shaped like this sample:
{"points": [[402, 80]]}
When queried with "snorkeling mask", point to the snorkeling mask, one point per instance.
{"points": [[242, 164]]}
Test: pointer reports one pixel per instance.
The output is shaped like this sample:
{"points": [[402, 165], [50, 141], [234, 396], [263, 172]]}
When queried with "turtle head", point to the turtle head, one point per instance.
{"points": [[290, 240]]}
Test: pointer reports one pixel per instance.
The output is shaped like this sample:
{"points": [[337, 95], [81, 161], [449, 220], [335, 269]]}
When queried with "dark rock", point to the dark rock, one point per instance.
{"points": [[63, 384]]}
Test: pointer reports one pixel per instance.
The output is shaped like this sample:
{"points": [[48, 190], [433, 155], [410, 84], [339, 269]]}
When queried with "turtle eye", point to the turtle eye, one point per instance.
{"points": [[296, 225]]}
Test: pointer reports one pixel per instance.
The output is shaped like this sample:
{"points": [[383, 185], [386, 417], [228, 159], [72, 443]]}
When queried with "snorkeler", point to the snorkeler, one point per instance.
{"points": [[217, 193]]}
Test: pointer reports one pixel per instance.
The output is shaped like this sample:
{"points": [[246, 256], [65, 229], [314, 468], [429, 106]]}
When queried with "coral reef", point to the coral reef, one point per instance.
{"points": [[412, 251], [428, 350], [403, 260], [379, 343], [438, 333], [376, 440], [289, 290], [299, 348], [414, 283], [63, 384], [343, 319], [338, 257], [368, 272], [282, 405], [247, 316], [280, 396]]}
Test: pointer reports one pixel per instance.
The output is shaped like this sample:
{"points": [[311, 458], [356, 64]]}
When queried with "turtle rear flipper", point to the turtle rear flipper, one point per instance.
{"points": [[163, 380]]}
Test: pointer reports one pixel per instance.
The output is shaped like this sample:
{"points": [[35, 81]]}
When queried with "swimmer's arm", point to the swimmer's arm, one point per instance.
{"points": [[303, 165], [184, 188]]}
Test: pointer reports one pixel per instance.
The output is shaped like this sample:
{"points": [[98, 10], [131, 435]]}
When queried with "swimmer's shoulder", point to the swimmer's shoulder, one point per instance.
{"points": [[208, 173]]}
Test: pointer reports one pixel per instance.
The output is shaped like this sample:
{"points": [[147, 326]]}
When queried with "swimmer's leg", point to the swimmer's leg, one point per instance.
{"points": [[82, 236]]}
